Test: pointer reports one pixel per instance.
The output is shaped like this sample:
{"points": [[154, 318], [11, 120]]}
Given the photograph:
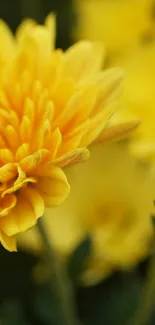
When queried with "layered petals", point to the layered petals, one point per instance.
{"points": [[53, 104], [24, 215]]}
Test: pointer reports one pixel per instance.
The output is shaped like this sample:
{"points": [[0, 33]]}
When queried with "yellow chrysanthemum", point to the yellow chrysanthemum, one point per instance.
{"points": [[111, 200], [117, 23], [138, 99], [52, 105]]}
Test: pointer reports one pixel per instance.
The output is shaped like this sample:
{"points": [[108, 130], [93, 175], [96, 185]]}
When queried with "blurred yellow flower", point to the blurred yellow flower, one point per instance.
{"points": [[52, 105], [138, 99], [121, 26], [111, 199], [117, 23]]}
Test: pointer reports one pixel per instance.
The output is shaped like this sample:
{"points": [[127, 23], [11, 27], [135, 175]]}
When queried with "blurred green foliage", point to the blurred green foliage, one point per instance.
{"points": [[24, 302]]}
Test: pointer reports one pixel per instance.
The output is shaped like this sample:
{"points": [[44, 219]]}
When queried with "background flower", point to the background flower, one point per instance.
{"points": [[137, 100], [111, 200], [117, 23]]}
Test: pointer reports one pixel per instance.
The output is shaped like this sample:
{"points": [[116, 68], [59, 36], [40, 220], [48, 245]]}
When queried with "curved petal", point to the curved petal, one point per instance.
{"points": [[82, 60], [72, 158], [52, 185], [32, 161], [17, 185], [117, 132], [109, 84], [6, 204], [21, 218], [34, 198], [8, 172], [24, 29], [50, 22], [8, 243]]}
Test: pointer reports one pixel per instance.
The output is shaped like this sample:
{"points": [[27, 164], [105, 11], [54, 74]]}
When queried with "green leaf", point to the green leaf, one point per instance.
{"points": [[77, 260]]}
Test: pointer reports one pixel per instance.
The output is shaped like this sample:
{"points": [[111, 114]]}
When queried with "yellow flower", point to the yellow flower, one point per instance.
{"points": [[52, 105], [138, 99], [117, 23], [111, 199]]}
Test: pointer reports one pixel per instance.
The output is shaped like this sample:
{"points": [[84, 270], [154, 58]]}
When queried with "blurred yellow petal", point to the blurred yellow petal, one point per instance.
{"points": [[24, 29], [109, 85], [117, 132], [50, 22], [82, 60]]}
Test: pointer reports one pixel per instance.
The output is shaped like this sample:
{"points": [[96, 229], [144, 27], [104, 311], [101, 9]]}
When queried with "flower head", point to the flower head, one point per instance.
{"points": [[52, 105]]}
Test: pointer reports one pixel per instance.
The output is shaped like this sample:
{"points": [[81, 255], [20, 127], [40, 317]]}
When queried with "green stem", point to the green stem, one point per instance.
{"points": [[147, 304], [59, 281]]}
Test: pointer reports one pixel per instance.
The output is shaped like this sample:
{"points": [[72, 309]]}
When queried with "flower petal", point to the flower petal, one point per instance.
{"points": [[18, 184], [83, 60], [52, 185], [109, 85], [21, 218], [50, 22], [8, 243], [78, 108], [119, 131], [32, 161], [34, 198], [55, 142], [97, 124], [25, 28], [6, 204], [8, 172], [73, 139], [72, 158]]}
